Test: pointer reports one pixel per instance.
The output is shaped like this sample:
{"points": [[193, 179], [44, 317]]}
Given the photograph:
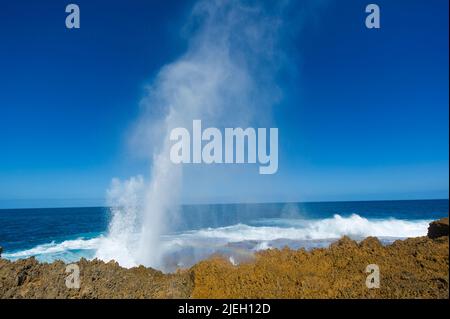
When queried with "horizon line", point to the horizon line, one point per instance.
{"points": [[241, 203]]}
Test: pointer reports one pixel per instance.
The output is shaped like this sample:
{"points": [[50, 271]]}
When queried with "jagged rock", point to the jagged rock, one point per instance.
{"points": [[28, 278], [1, 250], [371, 243], [438, 228], [411, 268], [345, 242]]}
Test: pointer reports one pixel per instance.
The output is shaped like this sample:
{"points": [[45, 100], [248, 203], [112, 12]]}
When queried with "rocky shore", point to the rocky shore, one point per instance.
{"points": [[412, 268]]}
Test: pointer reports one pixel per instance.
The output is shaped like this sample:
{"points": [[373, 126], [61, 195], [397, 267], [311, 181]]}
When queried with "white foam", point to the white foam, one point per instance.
{"points": [[264, 245], [206, 241], [225, 76], [54, 248], [336, 227], [124, 198], [233, 261]]}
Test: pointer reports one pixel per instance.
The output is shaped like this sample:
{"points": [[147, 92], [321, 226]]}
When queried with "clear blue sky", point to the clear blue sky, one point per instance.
{"points": [[364, 113]]}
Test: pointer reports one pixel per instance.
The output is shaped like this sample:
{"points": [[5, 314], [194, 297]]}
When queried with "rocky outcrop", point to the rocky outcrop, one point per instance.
{"points": [[30, 279], [438, 228], [412, 268]]}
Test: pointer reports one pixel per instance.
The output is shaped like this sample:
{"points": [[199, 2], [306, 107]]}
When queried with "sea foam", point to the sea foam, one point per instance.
{"points": [[185, 248]]}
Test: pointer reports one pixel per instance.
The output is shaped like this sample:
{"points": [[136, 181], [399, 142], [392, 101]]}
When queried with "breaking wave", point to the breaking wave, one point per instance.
{"points": [[262, 234]]}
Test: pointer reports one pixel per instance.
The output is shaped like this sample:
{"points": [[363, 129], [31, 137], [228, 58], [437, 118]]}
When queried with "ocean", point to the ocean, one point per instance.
{"points": [[232, 230]]}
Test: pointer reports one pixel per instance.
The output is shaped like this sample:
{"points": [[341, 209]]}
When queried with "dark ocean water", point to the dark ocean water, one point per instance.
{"points": [[71, 233]]}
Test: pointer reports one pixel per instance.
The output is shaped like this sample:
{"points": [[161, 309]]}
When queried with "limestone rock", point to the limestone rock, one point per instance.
{"points": [[411, 268], [370, 243], [438, 228]]}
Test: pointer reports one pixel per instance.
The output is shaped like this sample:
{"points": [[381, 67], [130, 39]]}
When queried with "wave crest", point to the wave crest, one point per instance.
{"points": [[263, 234]]}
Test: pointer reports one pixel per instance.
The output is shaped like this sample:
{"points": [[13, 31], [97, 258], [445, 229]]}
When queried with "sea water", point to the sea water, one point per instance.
{"points": [[235, 231]]}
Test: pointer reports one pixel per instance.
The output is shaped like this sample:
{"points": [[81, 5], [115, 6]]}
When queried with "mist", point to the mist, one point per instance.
{"points": [[225, 78]]}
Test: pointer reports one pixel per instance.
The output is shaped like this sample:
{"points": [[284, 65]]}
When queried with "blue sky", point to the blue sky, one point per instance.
{"points": [[364, 113]]}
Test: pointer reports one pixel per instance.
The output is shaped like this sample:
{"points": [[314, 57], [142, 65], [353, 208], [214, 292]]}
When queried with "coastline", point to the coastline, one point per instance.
{"points": [[410, 268]]}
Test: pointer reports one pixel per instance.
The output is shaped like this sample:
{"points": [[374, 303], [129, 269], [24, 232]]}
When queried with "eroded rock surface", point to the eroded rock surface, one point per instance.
{"points": [[30, 279], [438, 228], [413, 268]]}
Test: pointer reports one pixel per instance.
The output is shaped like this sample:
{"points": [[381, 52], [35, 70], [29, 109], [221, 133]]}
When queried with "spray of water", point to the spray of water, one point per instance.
{"points": [[224, 78]]}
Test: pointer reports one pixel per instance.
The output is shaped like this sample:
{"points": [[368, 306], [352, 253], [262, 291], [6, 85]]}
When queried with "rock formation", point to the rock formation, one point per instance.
{"points": [[438, 228], [412, 268]]}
